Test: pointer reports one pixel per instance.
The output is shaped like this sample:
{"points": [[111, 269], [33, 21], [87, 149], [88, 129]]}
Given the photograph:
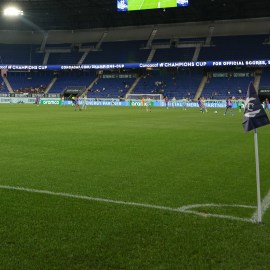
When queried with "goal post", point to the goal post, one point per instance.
{"points": [[145, 96]]}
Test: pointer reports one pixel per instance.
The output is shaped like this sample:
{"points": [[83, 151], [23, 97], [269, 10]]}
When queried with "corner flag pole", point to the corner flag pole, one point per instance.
{"points": [[259, 204], [255, 117]]}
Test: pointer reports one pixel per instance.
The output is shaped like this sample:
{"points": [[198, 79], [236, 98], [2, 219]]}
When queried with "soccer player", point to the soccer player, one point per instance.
{"points": [[37, 100], [229, 104], [203, 102], [173, 102], [77, 105], [166, 102], [201, 105], [84, 103], [148, 105], [62, 101], [184, 103], [240, 105], [143, 101]]}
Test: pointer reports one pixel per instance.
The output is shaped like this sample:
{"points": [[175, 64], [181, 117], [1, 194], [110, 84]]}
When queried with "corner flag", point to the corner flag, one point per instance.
{"points": [[254, 115]]}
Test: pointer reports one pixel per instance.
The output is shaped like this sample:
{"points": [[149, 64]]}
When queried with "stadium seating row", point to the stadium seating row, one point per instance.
{"points": [[220, 48], [176, 83]]}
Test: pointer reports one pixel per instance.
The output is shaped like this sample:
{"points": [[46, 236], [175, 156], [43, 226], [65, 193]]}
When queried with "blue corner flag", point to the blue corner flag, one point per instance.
{"points": [[254, 115]]}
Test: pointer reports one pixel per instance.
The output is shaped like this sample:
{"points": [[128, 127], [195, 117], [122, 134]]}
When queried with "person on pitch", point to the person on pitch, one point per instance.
{"points": [[229, 104], [201, 105]]}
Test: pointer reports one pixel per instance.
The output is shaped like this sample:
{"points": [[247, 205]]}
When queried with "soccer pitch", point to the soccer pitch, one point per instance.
{"points": [[150, 4], [121, 188]]}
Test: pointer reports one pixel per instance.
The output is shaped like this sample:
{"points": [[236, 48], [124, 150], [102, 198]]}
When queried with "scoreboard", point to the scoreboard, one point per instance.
{"points": [[132, 5]]}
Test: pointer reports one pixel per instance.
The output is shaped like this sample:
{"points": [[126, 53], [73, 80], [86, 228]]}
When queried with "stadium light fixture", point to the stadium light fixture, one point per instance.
{"points": [[12, 12]]}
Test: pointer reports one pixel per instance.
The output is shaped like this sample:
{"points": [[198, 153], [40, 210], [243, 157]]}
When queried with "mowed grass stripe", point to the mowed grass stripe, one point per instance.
{"points": [[127, 154]]}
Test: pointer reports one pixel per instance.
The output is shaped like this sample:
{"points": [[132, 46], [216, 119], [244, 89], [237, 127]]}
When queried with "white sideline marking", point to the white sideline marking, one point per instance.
{"points": [[183, 209], [265, 206], [186, 207]]}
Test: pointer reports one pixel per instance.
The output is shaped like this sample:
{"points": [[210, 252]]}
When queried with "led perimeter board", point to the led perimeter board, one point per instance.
{"points": [[130, 5]]}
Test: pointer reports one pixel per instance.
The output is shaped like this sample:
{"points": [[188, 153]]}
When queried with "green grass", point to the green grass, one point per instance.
{"points": [[167, 157], [150, 4]]}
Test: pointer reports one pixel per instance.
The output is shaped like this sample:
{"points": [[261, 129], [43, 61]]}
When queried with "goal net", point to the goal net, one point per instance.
{"points": [[145, 96]]}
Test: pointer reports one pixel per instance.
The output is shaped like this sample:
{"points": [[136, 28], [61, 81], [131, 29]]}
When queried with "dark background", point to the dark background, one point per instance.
{"points": [[87, 14]]}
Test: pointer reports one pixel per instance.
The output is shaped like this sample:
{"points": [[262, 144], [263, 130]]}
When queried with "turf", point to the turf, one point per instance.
{"points": [[150, 4], [167, 157]]}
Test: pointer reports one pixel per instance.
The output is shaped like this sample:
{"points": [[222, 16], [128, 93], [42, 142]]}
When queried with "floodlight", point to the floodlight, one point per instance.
{"points": [[12, 11]]}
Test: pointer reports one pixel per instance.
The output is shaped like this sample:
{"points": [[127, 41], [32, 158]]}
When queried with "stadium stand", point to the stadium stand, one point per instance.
{"points": [[176, 83], [236, 48], [72, 78], [171, 82], [265, 79], [221, 48], [29, 82], [3, 88], [228, 86], [110, 88], [64, 58], [21, 54], [118, 52], [173, 55]]}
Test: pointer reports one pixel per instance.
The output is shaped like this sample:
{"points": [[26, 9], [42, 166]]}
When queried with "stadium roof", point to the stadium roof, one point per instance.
{"points": [[88, 14]]}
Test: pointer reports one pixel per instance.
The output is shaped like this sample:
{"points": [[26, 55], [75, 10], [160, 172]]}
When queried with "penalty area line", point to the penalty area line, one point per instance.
{"points": [[183, 209]]}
